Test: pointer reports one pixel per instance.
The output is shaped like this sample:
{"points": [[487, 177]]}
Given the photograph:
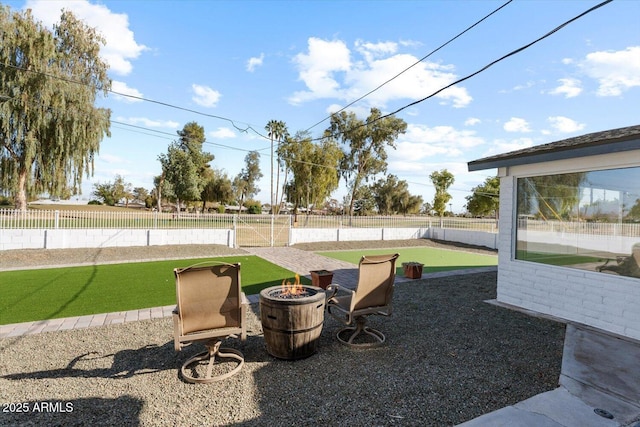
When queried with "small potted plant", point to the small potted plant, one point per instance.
{"points": [[321, 278], [412, 269]]}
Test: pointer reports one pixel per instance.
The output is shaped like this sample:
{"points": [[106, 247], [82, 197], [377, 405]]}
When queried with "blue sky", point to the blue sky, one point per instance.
{"points": [[253, 61]]}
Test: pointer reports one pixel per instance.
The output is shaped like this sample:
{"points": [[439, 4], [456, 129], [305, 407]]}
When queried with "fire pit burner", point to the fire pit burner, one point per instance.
{"points": [[292, 322], [279, 293]]}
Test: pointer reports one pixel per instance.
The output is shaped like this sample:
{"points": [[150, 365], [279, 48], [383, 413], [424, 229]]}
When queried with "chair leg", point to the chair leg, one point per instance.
{"points": [[361, 327], [213, 350]]}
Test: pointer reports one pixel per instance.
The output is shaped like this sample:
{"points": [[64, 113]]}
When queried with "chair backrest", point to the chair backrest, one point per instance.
{"points": [[376, 275], [209, 297]]}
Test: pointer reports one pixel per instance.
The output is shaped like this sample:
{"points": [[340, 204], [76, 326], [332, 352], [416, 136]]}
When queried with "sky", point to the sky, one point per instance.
{"points": [[232, 66]]}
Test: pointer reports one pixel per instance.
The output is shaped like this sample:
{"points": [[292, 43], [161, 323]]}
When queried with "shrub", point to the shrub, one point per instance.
{"points": [[94, 202], [253, 207]]}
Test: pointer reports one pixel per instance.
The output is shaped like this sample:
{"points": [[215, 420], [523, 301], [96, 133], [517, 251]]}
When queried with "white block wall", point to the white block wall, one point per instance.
{"points": [[477, 238], [22, 239], [309, 235], [95, 238], [605, 301]]}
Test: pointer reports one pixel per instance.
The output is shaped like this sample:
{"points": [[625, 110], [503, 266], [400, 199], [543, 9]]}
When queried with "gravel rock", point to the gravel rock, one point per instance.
{"points": [[47, 258], [449, 357]]}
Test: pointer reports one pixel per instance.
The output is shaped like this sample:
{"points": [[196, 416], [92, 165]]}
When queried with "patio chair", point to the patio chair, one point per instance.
{"points": [[210, 308], [625, 265], [372, 295]]}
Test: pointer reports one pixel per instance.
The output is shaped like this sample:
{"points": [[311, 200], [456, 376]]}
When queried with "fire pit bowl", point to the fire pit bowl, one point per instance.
{"points": [[292, 323]]}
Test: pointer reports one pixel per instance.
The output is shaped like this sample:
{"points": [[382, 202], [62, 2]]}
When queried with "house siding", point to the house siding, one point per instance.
{"points": [[603, 301]]}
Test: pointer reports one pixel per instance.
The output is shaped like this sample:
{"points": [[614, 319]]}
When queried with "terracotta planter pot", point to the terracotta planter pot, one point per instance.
{"points": [[412, 270], [321, 278]]}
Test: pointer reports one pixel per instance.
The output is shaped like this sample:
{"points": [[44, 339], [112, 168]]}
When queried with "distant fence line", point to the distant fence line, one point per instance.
{"points": [[148, 220], [71, 219], [582, 227]]}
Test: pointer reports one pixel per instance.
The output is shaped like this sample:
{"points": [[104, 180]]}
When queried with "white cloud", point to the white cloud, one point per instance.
{"points": [[499, 146], [205, 96], [317, 69], [329, 70], [472, 121], [358, 110], [374, 50], [122, 88], [120, 47], [616, 71], [516, 124], [565, 124], [527, 85], [568, 87], [222, 133], [421, 142], [524, 86], [255, 62], [110, 158], [143, 121]]}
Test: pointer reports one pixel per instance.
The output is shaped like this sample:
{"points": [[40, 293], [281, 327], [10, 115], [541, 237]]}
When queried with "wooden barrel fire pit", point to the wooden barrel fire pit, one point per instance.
{"points": [[292, 323]]}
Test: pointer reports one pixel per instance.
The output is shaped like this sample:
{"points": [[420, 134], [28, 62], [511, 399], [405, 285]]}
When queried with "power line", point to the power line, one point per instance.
{"points": [[189, 110], [514, 52], [139, 98], [163, 134], [414, 64]]}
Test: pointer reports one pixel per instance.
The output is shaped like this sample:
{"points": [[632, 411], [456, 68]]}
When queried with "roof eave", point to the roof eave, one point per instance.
{"points": [[606, 147]]}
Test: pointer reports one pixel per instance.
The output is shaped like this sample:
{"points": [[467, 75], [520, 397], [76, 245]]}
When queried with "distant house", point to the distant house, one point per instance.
{"points": [[569, 248], [234, 209]]}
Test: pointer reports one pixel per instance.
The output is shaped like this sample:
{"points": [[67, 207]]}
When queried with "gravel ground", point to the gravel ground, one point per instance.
{"points": [[341, 246], [449, 357], [46, 258]]}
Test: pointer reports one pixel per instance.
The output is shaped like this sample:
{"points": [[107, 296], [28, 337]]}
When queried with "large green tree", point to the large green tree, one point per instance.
{"points": [[185, 164], [245, 183], [392, 197], [161, 189], [50, 129], [217, 188], [365, 145], [112, 192], [313, 167], [550, 196], [276, 130], [441, 180], [485, 198]]}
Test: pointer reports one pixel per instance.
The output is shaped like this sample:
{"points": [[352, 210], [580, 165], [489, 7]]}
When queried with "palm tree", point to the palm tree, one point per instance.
{"points": [[276, 130]]}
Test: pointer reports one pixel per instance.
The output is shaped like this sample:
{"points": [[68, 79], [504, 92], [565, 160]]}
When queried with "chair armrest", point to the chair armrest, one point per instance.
{"points": [[244, 303], [334, 288], [177, 329]]}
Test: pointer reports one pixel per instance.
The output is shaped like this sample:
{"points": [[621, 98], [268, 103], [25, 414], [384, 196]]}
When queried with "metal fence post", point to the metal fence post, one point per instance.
{"points": [[235, 232], [271, 238]]}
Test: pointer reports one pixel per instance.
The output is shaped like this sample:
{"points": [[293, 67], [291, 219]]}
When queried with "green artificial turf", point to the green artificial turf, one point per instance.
{"points": [[51, 293], [433, 259], [557, 259]]}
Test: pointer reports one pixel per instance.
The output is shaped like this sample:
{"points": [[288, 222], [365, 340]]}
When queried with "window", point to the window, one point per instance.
{"points": [[586, 220]]}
